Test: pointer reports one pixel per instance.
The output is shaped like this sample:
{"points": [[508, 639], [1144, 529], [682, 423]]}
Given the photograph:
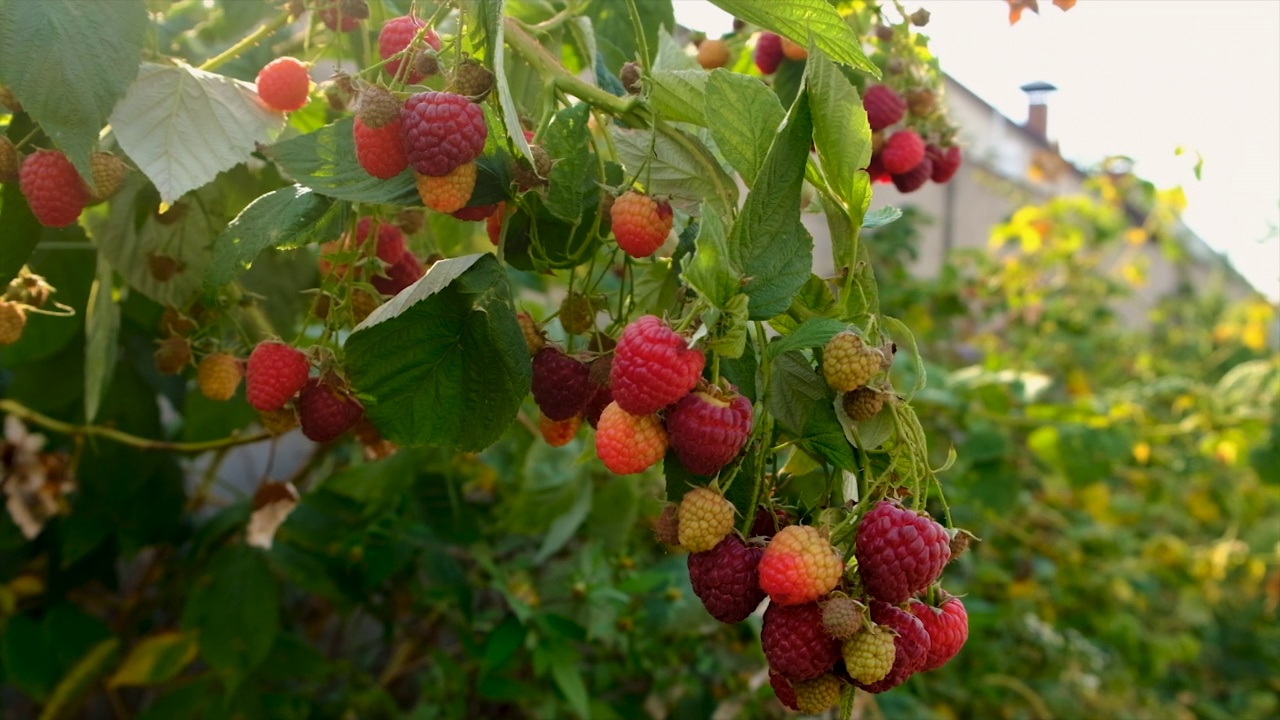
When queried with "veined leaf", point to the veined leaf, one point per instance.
{"points": [[796, 19], [747, 116]]}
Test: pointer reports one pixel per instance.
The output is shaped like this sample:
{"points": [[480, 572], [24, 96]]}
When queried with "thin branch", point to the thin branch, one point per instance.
{"points": [[23, 412]]}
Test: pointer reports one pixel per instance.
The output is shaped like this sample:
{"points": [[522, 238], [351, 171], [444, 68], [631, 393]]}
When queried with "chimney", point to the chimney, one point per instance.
{"points": [[1037, 110]]}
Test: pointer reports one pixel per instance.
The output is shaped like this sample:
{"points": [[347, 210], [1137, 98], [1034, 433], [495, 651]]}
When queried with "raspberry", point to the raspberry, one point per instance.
{"points": [[868, 655], [652, 367], [920, 101], [280, 421], [395, 36], [274, 374], [283, 84], [172, 355], [899, 552], [768, 53], [218, 375], [847, 362], [795, 643], [842, 617], [472, 80], [400, 275], [390, 240], [577, 313], [493, 224], [910, 647], [342, 15], [948, 628], [708, 429], [640, 223], [108, 173], [326, 410], [884, 106], [705, 518], [799, 566], [561, 384], [713, 54], [600, 400], [876, 170], [629, 76], [363, 304], [474, 213], [558, 433], [450, 192], [945, 162], [53, 188], [782, 688], [441, 131], [12, 321], [724, 578], [767, 522], [377, 106], [629, 443], [174, 323], [902, 151], [666, 529], [915, 178], [793, 50], [532, 174], [862, 403], [10, 160], [533, 337], [815, 696], [379, 150]]}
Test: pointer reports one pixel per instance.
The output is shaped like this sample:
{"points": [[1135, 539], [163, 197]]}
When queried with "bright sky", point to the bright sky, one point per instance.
{"points": [[1138, 78]]}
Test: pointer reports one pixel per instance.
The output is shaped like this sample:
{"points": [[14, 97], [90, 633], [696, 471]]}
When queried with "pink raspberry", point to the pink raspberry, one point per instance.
{"points": [[629, 443], [708, 429], [561, 384], [948, 628], [400, 275], [799, 566], [725, 579], [796, 644], [441, 132], [390, 239], [884, 106], [652, 367], [395, 36], [902, 151], [274, 374], [768, 53], [911, 646], [899, 552]]}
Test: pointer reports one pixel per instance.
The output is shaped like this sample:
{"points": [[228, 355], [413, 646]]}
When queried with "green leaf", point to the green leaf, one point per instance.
{"points": [[183, 126], [680, 167], [19, 229], [68, 62], [325, 161], [286, 218], [70, 693], [768, 244], [811, 333], [444, 362], [235, 606], [707, 270], [667, 53], [903, 337], [841, 133], [678, 94], [729, 328], [796, 19], [880, 217], [567, 140], [102, 328], [568, 677], [800, 400], [510, 111], [747, 116], [563, 527], [537, 240], [156, 659]]}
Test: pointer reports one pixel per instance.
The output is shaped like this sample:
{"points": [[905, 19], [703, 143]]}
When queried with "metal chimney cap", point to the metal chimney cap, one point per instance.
{"points": [[1038, 87]]}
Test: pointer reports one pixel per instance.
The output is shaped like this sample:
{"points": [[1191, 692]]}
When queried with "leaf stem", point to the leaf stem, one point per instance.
{"points": [[18, 410], [245, 43]]}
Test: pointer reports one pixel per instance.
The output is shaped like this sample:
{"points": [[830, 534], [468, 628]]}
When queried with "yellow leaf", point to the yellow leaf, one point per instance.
{"points": [[156, 659]]}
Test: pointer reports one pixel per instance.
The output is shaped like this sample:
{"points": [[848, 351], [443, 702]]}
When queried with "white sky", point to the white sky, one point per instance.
{"points": [[1138, 78]]}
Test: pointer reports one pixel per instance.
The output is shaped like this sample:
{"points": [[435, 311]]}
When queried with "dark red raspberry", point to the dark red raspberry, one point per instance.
{"points": [[561, 384], [708, 429], [915, 178], [52, 188], [902, 151], [768, 53], [945, 162], [326, 410], [782, 688], [390, 240], [342, 15], [474, 213], [911, 646], [884, 106], [395, 36], [441, 131], [274, 374], [725, 579], [768, 522], [876, 170], [899, 552], [400, 275], [652, 367], [948, 628], [795, 642], [379, 150], [601, 395]]}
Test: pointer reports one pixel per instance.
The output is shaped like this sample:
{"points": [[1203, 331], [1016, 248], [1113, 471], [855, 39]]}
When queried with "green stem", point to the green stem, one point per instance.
{"points": [[245, 43], [23, 412], [628, 109], [641, 41]]}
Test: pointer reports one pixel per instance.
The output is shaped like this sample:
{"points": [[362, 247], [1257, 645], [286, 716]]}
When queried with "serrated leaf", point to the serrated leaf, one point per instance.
{"points": [[285, 218], [729, 328], [747, 116], [156, 659], [670, 55], [880, 217], [707, 270], [814, 332], [183, 126], [567, 139], [101, 327], [841, 132], [68, 62], [796, 19], [325, 161], [682, 169], [444, 362], [800, 400], [678, 94]]}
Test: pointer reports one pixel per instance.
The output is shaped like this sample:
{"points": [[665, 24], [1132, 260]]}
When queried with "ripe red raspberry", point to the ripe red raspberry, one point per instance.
{"points": [[862, 403], [724, 578], [705, 519], [652, 367], [948, 628], [847, 362], [782, 688], [275, 373], [558, 433], [799, 566], [450, 192], [795, 643], [218, 375], [868, 655], [390, 239], [629, 443], [708, 429], [474, 213], [876, 170], [395, 36], [767, 522], [902, 151], [326, 410], [884, 106], [343, 15], [915, 178], [899, 552], [441, 131], [284, 84], [910, 647], [945, 162], [640, 223], [561, 384], [400, 275], [842, 616], [815, 696], [13, 319], [53, 188], [768, 53], [379, 150]]}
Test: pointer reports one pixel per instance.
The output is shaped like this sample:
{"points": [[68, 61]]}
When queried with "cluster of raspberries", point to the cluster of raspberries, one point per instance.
{"points": [[849, 366], [825, 628], [902, 156], [391, 268]]}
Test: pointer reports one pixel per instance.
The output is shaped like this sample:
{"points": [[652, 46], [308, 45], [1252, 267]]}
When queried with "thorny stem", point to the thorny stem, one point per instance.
{"points": [[245, 43], [18, 410]]}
